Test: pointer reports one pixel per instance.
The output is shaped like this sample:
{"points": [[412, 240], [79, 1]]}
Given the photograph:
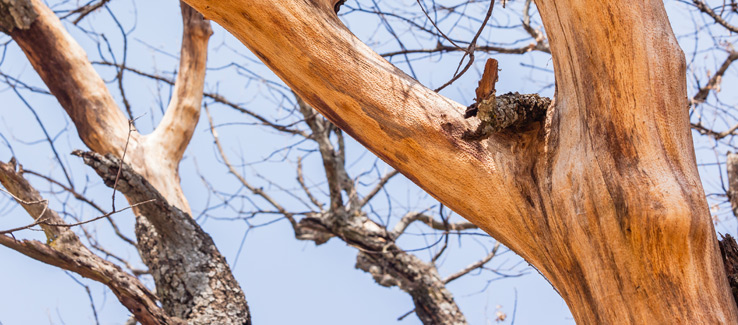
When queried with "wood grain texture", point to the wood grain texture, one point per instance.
{"points": [[487, 83], [603, 198]]}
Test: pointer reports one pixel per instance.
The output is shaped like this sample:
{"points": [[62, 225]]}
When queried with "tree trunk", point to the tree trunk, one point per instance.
{"points": [[603, 197]]}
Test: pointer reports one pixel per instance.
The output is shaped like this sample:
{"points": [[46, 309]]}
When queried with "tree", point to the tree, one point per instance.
{"points": [[193, 282], [603, 198], [630, 239]]}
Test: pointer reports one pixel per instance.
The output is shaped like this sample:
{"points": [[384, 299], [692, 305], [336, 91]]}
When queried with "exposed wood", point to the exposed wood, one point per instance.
{"points": [[63, 66], [626, 211], [603, 198], [174, 132]]}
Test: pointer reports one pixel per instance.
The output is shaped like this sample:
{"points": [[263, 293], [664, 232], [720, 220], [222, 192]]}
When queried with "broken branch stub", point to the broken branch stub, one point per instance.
{"points": [[508, 111], [496, 113]]}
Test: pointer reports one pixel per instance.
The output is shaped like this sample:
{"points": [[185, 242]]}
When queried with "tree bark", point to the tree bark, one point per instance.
{"points": [[65, 250], [603, 197], [193, 281]]}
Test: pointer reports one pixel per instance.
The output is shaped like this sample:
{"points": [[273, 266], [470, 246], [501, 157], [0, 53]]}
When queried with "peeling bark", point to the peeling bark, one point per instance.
{"points": [[512, 111]]}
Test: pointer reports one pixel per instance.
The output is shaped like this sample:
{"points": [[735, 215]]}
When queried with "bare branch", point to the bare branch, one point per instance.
{"points": [[331, 163], [84, 199], [409, 218], [85, 10], [732, 166], [184, 288], [64, 68], [301, 180], [215, 97], [67, 252], [178, 124], [702, 6], [715, 80], [31, 200], [473, 266], [256, 191], [382, 182]]}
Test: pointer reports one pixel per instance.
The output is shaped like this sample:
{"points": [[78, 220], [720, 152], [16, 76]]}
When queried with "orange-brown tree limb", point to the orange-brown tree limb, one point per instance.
{"points": [[603, 197]]}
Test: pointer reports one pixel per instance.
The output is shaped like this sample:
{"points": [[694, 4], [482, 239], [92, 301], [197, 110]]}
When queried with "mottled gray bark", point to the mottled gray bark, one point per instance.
{"points": [[378, 253], [388, 264], [729, 251], [193, 280], [16, 14]]}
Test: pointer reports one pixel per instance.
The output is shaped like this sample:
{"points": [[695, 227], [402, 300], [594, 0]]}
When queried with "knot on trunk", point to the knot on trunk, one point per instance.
{"points": [[16, 14], [508, 111]]}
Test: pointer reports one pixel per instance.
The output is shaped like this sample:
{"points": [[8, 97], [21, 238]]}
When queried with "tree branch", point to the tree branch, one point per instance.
{"points": [[382, 182], [702, 6], [66, 251], [473, 266], [715, 80], [63, 66], [411, 217], [732, 167], [175, 130], [186, 265], [413, 129]]}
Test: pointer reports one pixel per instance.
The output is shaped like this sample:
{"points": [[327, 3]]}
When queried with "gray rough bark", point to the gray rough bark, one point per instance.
{"points": [[378, 253], [508, 111], [729, 251], [193, 280], [16, 14], [388, 264]]}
